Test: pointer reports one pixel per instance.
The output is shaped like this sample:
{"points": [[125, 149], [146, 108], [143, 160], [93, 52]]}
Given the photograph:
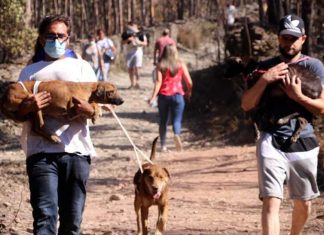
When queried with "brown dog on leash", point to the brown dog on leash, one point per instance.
{"points": [[151, 188], [63, 100]]}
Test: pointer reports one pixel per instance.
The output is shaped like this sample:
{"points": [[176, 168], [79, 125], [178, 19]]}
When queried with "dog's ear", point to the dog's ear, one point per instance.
{"points": [[137, 178], [100, 92], [147, 172]]}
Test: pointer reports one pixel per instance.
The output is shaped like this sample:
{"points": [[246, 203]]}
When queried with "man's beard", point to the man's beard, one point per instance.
{"points": [[287, 55]]}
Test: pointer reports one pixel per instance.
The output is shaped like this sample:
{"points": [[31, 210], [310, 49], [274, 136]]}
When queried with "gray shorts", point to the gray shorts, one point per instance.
{"points": [[298, 170]]}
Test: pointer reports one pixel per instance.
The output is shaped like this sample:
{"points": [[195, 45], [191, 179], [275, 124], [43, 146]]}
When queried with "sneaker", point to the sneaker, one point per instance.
{"points": [[177, 142], [164, 149]]}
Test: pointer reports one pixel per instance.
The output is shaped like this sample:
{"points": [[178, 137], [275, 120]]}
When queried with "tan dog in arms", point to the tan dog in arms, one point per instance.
{"points": [[151, 188], [64, 96]]}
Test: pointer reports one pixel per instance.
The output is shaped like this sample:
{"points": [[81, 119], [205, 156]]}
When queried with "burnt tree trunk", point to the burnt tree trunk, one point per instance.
{"points": [[152, 13], [308, 17], [275, 12], [180, 9]]}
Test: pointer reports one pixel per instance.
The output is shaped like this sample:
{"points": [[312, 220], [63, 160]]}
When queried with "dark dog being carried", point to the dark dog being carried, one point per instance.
{"points": [[278, 113]]}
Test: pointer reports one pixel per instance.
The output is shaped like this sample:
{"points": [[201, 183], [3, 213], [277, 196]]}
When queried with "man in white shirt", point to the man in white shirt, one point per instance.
{"points": [[230, 14], [57, 173]]}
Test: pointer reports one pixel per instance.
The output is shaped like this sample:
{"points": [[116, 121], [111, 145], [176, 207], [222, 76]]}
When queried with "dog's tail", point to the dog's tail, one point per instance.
{"points": [[153, 150]]}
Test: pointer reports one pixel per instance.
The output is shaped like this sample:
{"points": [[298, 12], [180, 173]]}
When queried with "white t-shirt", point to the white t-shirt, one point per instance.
{"points": [[105, 46], [230, 14], [75, 135], [134, 46], [91, 54]]}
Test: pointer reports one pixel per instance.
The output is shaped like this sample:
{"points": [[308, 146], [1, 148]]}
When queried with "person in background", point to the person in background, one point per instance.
{"points": [[279, 160], [107, 52], [230, 13], [160, 43], [91, 54], [171, 72], [132, 27], [134, 54], [57, 173]]}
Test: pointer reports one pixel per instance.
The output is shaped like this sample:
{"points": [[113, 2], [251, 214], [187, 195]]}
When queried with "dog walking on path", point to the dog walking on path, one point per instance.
{"points": [[151, 188]]}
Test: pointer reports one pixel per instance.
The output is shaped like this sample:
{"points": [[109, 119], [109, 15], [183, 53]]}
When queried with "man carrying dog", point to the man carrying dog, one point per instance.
{"points": [[134, 53], [280, 160], [57, 173]]}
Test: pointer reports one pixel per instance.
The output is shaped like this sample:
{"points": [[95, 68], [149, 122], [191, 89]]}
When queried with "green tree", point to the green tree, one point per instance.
{"points": [[15, 38]]}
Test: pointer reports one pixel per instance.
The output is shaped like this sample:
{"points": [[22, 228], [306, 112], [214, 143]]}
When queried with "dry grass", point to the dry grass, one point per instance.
{"points": [[192, 36], [189, 38]]}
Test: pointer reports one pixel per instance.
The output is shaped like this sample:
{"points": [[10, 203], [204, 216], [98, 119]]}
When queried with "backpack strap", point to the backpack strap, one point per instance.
{"points": [[23, 86], [35, 88]]}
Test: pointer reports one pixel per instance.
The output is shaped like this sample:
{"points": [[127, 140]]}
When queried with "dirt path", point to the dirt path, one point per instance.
{"points": [[213, 191]]}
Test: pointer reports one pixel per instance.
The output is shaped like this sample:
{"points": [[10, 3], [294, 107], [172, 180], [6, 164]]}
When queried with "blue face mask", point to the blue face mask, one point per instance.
{"points": [[54, 49]]}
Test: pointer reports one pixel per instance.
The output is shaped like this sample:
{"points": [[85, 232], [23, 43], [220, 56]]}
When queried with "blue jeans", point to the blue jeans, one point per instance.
{"points": [[170, 107], [57, 183], [103, 76]]}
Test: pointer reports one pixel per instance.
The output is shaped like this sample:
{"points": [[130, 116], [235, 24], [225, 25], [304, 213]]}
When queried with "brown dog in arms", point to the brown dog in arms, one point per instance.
{"points": [[63, 99], [151, 188]]}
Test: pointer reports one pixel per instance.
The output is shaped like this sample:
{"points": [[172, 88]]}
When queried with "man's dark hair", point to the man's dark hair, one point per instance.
{"points": [[166, 32], [100, 31], [131, 22], [48, 20]]}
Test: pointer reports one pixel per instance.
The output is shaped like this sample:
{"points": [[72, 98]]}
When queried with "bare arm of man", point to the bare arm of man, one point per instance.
{"points": [[252, 96], [292, 87], [34, 103]]}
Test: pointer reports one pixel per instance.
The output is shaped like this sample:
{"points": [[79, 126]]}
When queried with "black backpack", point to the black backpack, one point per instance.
{"points": [[141, 34]]}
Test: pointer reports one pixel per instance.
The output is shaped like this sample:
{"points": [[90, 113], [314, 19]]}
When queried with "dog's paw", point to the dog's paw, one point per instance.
{"points": [[55, 139], [95, 116], [94, 120]]}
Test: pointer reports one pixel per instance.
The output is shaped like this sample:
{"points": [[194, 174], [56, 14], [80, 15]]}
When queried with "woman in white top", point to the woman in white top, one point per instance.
{"points": [[134, 54]]}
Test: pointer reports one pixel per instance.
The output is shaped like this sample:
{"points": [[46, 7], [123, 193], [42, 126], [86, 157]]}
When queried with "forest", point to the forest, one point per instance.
{"points": [[214, 181], [19, 18]]}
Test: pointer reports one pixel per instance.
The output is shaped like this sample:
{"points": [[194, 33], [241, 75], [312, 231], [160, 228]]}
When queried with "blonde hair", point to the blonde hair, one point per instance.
{"points": [[169, 60]]}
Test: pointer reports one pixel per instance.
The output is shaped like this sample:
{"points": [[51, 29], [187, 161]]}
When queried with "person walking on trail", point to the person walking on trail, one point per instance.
{"points": [[90, 53], [171, 72], [132, 27], [280, 160], [230, 13], [160, 43], [134, 53], [57, 173], [107, 52]]}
